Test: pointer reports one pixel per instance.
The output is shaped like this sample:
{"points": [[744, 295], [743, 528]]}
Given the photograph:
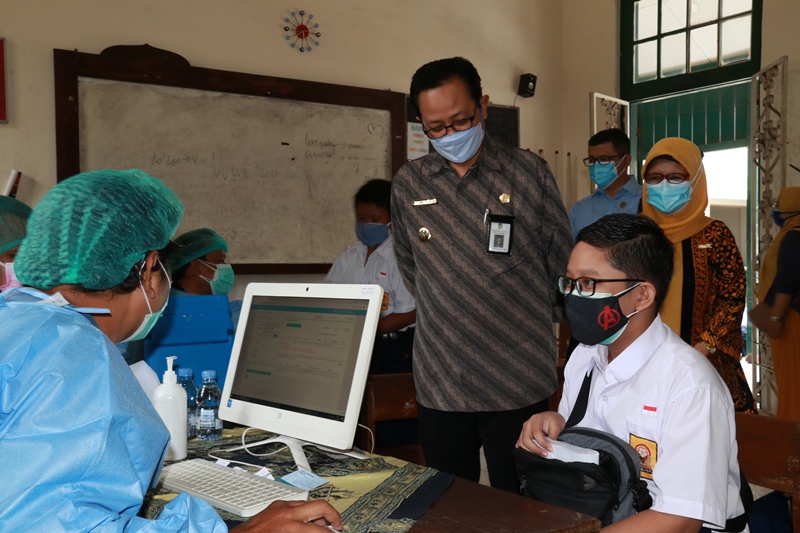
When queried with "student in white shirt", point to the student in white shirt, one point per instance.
{"points": [[371, 260], [649, 387]]}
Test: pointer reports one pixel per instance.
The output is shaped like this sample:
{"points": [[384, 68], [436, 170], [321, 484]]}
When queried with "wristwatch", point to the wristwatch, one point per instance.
{"points": [[776, 319], [711, 349]]}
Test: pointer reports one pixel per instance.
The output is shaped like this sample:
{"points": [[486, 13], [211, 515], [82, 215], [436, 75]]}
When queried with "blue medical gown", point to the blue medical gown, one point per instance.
{"points": [[80, 442]]}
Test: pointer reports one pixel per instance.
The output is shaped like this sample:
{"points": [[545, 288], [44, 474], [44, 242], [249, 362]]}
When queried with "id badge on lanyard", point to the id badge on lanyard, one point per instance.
{"points": [[500, 234]]}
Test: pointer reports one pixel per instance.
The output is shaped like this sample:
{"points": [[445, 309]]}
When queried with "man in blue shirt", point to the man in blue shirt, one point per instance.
{"points": [[617, 192]]}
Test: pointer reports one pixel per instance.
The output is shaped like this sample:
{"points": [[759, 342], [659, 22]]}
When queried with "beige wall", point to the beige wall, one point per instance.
{"points": [[571, 45], [375, 44], [591, 64], [781, 37]]}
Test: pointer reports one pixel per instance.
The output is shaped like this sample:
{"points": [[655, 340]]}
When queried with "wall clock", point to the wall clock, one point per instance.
{"points": [[302, 33]]}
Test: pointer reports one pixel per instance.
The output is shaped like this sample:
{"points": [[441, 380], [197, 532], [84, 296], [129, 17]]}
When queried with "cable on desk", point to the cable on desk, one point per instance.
{"points": [[371, 438], [247, 449], [210, 454]]}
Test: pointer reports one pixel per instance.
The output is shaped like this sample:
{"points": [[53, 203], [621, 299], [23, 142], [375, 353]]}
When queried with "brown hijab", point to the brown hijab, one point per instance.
{"points": [[681, 225], [788, 202]]}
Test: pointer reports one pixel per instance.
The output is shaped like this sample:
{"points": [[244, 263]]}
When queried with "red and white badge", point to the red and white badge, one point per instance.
{"points": [[649, 410]]}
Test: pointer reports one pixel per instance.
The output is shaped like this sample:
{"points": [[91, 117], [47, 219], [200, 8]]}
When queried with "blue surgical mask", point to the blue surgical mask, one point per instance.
{"points": [[371, 234], [604, 175], [150, 318], [780, 218], [461, 146], [669, 198], [222, 280]]}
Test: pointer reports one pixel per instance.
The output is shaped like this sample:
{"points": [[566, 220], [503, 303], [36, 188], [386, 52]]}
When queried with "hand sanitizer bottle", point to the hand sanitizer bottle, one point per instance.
{"points": [[169, 399]]}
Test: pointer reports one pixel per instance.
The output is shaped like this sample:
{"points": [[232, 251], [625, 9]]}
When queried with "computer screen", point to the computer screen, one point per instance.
{"points": [[300, 360]]}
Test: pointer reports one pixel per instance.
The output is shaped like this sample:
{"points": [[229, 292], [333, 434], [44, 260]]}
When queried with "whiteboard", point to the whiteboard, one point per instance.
{"points": [[275, 177]]}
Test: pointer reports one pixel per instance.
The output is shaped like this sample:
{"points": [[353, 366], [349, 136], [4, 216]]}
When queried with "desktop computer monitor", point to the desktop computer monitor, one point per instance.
{"points": [[300, 360]]}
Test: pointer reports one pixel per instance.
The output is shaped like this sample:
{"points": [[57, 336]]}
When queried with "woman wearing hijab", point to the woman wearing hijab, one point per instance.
{"points": [[706, 298], [778, 287]]}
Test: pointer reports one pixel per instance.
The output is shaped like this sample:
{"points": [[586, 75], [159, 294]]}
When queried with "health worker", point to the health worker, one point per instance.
{"points": [[83, 443], [199, 267]]}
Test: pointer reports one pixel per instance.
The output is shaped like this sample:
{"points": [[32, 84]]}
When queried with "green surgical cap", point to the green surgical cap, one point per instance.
{"points": [[13, 218], [194, 244], [91, 229]]}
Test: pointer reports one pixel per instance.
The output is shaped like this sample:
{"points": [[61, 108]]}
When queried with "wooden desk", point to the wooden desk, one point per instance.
{"points": [[370, 493], [467, 507]]}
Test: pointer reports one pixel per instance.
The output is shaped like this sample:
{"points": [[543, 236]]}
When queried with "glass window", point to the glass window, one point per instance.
{"points": [[646, 57], [673, 15], [735, 40], [703, 48], [669, 46], [702, 11], [734, 7], [673, 55], [646, 19]]}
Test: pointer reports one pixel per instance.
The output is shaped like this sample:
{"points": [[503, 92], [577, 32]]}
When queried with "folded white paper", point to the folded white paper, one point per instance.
{"points": [[569, 453]]}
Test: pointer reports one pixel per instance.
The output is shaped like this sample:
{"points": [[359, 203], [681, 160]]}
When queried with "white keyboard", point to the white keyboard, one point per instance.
{"points": [[240, 493]]}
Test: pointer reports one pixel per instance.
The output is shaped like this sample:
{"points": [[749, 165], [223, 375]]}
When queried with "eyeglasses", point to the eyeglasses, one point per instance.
{"points": [[673, 177], [584, 286], [459, 125], [600, 160]]}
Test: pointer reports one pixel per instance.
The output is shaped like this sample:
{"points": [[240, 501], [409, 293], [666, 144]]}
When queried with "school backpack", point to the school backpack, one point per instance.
{"points": [[610, 491]]}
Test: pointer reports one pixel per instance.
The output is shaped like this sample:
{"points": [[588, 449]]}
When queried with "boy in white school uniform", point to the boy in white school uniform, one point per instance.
{"points": [[648, 387], [371, 260]]}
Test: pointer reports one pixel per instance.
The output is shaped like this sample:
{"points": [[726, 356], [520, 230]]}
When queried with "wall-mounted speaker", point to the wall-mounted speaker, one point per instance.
{"points": [[527, 85]]}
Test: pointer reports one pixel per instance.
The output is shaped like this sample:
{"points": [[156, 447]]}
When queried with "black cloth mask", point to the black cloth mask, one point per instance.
{"points": [[596, 319]]}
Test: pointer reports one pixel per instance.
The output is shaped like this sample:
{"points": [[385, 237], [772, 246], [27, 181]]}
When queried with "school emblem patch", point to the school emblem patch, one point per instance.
{"points": [[385, 302], [648, 454]]}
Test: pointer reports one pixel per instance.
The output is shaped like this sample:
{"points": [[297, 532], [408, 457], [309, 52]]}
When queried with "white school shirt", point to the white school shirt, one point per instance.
{"points": [[666, 400], [380, 269]]}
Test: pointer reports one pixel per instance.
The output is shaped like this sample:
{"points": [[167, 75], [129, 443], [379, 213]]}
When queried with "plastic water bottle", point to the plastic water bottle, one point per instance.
{"points": [[186, 380], [209, 425], [169, 399]]}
